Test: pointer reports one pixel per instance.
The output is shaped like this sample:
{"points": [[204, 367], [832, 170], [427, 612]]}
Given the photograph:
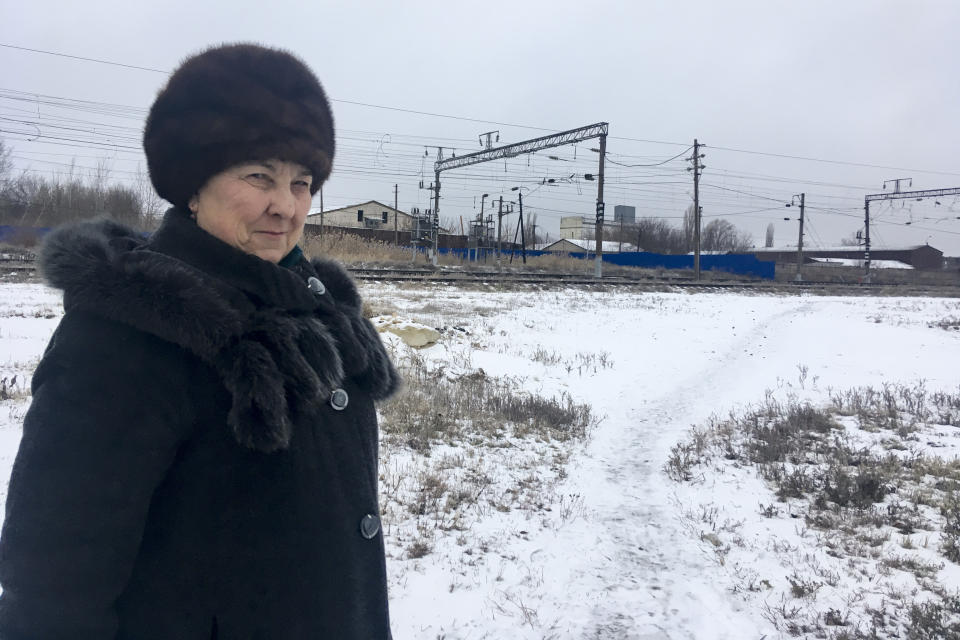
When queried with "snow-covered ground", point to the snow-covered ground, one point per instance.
{"points": [[613, 554]]}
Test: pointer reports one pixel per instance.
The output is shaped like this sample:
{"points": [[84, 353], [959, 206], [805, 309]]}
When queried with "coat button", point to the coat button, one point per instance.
{"points": [[316, 286], [369, 526], [339, 399]]}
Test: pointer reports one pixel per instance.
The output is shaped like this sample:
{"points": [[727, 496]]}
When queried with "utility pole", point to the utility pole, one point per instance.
{"points": [[396, 229], [520, 231], [436, 212], [866, 241], [598, 265], [499, 232], [696, 205], [799, 277], [523, 234], [500, 214], [433, 217]]}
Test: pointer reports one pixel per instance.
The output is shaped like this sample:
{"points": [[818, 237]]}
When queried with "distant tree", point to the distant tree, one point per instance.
{"points": [[722, 235], [530, 226], [38, 201], [656, 235], [689, 229], [769, 241]]}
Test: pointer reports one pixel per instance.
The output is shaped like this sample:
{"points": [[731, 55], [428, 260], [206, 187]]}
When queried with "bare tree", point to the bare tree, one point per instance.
{"points": [[658, 236], [689, 228], [769, 240], [38, 201], [530, 226], [721, 235]]}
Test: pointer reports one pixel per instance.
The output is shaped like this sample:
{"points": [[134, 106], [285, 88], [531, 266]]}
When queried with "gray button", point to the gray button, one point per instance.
{"points": [[369, 526], [339, 399], [316, 286]]}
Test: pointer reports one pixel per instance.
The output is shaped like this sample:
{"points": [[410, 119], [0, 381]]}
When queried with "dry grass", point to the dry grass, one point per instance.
{"points": [[355, 250], [863, 475], [457, 448], [434, 406]]}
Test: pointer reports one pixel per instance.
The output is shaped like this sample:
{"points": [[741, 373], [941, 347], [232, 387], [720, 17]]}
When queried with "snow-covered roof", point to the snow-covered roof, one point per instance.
{"points": [[857, 262], [840, 248], [609, 246]]}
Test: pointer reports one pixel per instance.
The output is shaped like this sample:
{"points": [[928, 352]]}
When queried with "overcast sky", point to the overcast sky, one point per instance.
{"points": [[851, 83]]}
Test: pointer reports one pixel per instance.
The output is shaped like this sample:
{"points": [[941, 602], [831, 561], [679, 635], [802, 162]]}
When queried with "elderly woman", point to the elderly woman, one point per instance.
{"points": [[200, 457]]}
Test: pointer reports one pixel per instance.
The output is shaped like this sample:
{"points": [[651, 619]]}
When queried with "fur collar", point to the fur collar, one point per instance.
{"points": [[279, 349]]}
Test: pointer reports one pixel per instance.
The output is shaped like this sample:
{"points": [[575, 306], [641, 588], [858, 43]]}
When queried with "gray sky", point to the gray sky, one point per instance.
{"points": [[857, 81]]}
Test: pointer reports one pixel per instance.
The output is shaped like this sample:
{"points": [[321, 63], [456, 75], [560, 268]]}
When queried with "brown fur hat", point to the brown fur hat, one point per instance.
{"points": [[233, 104]]}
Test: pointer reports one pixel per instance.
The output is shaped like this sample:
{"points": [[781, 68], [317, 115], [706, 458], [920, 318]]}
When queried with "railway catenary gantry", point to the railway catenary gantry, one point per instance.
{"points": [[571, 136], [895, 195]]}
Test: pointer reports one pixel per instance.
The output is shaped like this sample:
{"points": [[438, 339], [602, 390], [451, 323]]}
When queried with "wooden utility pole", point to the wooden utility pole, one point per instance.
{"points": [[396, 229], [598, 264], [436, 213], [799, 277], [696, 206], [523, 234]]}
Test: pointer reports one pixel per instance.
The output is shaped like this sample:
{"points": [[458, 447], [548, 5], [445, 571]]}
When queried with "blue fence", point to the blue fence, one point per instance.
{"points": [[739, 264], [25, 236]]}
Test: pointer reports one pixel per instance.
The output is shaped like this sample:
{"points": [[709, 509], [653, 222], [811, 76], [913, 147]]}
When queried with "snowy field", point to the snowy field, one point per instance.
{"points": [[589, 537]]}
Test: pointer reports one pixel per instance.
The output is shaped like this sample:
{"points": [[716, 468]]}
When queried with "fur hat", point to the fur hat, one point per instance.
{"points": [[232, 104]]}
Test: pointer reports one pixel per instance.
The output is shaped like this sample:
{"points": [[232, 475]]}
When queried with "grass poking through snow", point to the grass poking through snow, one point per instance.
{"points": [[870, 483]]}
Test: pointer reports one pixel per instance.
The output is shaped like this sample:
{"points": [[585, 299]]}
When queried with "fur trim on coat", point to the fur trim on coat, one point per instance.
{"points": [[278, 348]]}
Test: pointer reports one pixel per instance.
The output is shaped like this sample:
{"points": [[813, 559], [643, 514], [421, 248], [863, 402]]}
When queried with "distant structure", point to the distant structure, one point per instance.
{"points": [[920, 256], [571, 245], [366, 215], [625, 214], [574, 227]]}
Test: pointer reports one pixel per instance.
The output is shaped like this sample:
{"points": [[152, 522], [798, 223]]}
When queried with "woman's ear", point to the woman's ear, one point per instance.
{"points": [[193, 204]]}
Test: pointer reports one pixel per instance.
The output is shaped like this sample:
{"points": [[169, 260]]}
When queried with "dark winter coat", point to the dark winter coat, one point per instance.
{"points": [[183, 473]]}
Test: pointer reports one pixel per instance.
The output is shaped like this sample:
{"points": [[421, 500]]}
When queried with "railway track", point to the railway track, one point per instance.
{"points": [[26, 266]]}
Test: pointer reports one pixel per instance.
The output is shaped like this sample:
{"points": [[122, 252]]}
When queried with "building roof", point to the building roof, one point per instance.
{"points": [[912, 247], [376, 204], [609, 246], [857, 262]]}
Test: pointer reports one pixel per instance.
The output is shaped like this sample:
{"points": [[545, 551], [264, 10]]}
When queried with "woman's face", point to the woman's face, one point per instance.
{"points": [[259, 207]]}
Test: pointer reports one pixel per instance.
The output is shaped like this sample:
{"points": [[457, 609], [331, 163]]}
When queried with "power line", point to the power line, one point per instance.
{"points": [[520, 126], [66, 55], [840, 162], [648, 165]]}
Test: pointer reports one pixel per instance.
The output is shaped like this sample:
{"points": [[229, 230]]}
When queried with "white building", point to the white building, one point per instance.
{"points": [[367, 215], [574, 227]]}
